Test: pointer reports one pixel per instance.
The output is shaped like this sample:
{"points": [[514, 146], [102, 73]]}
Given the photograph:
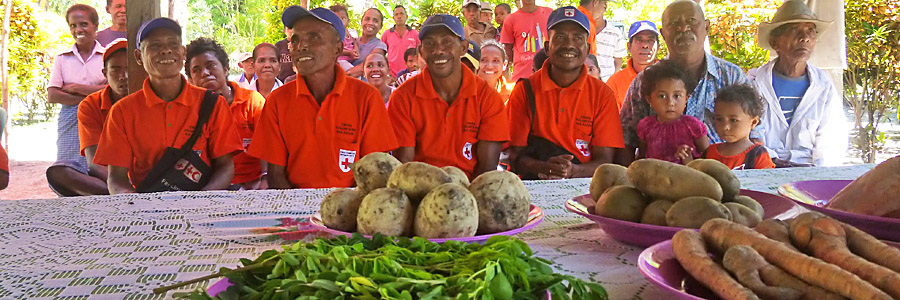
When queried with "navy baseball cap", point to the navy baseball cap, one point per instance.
{"points": [[155, 24], [445, 21], [639, 26], [294, 13], [570, 14]]}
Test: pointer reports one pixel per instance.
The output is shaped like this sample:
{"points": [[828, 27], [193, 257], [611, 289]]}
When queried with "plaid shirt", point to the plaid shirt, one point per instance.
{"points": [[701, 104]]}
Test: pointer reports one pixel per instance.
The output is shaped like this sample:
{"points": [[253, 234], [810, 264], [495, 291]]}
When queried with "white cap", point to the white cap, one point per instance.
{"points": [[467, 2]]}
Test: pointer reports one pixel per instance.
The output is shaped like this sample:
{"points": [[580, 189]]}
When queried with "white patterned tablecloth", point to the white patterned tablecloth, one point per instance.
{"points": [[121, 247]]}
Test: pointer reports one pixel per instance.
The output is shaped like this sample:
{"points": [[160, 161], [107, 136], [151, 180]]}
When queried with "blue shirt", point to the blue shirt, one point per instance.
{"points": [[701, 104], [789, 91]]}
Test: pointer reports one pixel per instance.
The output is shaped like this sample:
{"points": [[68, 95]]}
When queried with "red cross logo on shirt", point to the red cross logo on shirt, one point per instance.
{"points": [[345, 159], [582, 146], [467, 151], [345, 163]]}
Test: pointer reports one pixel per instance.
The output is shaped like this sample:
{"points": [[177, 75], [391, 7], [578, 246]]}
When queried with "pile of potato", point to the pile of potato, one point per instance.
{"points": [[662, 193], [809, 257], [423, 200]]}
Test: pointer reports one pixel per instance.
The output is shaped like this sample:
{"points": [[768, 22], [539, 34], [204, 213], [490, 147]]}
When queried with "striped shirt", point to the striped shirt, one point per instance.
{"points": [[610, 45]]}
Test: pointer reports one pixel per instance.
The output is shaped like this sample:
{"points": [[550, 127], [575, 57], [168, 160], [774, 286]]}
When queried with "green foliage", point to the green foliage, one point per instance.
{"points": [[236, 24], [732, 34], [384, 268], [872, 79], [35, 38], [429, 8]]}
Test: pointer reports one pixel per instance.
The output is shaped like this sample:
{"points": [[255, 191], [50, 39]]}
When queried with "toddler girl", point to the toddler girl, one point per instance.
{"points": [[738, 109], [351, 46], [669, 135]]}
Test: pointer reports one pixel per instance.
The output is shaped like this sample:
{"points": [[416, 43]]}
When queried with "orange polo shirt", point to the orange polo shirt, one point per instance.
{"points": [[141, 126], [92, 113], [576, 117], [317, 143], [592, 35], [621, 81], [445, 134], [246, 109]]}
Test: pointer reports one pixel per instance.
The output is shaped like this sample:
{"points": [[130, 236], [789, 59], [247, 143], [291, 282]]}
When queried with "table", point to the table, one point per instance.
{"points": [[121, 247]]}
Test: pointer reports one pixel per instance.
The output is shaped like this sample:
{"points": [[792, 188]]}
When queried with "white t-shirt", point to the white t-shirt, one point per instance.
{"points": [[610, 45]]}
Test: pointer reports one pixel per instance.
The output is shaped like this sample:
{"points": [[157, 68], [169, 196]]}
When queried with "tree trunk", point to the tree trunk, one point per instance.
{"points": [[4, 62]]}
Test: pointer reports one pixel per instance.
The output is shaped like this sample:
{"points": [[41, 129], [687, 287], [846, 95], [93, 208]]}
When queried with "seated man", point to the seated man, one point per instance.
{"points": [[447, 116], [312, 129], [94, 109], [163, 114], [574, 125]]}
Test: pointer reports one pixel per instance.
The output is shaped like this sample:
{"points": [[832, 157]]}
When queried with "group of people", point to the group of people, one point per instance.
{"points": [[442, 94]]}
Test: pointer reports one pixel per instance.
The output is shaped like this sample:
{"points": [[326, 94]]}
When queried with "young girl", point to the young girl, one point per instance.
{"points": [[738, 109], [667, 87], [351, 46]]}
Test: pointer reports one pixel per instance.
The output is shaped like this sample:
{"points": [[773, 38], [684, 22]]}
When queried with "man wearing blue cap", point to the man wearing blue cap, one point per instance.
{"points": [[312, 129], [447, 116], [572, 126], [162, 115], [643, 44]]}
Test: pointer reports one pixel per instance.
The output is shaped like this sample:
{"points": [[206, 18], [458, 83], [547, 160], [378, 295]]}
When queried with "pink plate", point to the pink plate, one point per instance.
{"points": [[535, 216], [659, 266], [645, 235], [815, 194]]}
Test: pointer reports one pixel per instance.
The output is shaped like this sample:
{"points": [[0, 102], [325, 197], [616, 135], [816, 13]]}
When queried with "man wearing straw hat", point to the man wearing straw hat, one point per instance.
{"points": [[804, 116]]}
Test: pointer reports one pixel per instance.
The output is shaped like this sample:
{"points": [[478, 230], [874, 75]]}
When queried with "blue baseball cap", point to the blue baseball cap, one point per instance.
{"points": [[639, 26], [570, 14], [442, 21], [294, 13], [155, 24]]}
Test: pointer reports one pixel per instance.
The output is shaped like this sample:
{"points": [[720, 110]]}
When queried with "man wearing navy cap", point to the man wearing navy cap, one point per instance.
{"points": [[643, 44], [447, 116], [312, 129], [574, 125], [164, 114]]}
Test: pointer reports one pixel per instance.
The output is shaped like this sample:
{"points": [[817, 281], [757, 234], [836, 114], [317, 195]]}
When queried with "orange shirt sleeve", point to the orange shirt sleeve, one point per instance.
{"points": [[114, 148], [90, 125], [494, 120], [223, 135], [764, 161], [519, 120], [607, 126], [400, 114], [377, 132], [268, 143]]}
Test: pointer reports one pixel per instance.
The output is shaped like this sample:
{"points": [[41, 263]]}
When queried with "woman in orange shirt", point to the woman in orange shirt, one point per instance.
{"points": [[493, 63]]}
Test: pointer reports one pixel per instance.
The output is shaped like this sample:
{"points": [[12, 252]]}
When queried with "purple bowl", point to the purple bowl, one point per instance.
{"points": [[645, 235], [220, 286], [815, 194], [535, 216], [659, 266]]}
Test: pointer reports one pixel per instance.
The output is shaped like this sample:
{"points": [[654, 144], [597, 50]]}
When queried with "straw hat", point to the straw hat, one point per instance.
{"points": [[792, 11]]}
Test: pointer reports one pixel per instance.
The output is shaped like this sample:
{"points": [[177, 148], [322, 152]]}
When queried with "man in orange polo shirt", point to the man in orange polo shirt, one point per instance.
{"points": [[206, 66], [643, 44], [447, 116], [313, 128], [576, 114], [589, 8], [92, 113], [163, 114]]}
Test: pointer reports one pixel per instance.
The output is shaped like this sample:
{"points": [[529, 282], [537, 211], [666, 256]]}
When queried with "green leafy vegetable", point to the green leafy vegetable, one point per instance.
{"points": [[385, 268]]}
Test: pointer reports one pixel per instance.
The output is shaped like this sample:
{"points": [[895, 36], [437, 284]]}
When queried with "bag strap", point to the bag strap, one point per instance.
{"points": [[532, 111], [752, 155], [206, 108]]}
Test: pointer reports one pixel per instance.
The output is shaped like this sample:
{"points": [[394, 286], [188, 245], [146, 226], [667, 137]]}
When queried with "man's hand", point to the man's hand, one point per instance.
{"points": [[557, 167]]}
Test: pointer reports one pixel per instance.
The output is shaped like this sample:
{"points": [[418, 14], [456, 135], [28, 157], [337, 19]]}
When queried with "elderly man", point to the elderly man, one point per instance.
{"points": [[684, 28], [447, 116], [312, 129], [563, 122], [643, 44], [804, 116], [145, 127]]}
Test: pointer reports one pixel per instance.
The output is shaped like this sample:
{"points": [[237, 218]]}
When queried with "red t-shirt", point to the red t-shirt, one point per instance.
{"points": [[527, 33], [736, 162]]}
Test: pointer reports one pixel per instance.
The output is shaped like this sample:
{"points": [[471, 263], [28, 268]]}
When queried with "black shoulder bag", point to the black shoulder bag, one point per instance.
{"points": [[539, 148], [182, 169]]}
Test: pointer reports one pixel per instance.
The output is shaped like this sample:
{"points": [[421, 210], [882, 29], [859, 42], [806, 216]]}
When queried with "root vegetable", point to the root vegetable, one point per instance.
{"points": [[722, 234], [746, 265], [730, 184], [372, 171], [745, 259], [870, 248], [605, 177], [777, 230], [691, 252], [660, 179], [824, 238]]}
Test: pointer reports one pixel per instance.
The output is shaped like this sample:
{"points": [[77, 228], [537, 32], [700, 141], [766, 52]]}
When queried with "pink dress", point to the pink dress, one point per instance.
{"points": [[663, 139], [348, 45]]}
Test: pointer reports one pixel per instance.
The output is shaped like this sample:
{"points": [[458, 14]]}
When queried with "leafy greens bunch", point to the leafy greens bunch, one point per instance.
{"points": [[385, 268]]}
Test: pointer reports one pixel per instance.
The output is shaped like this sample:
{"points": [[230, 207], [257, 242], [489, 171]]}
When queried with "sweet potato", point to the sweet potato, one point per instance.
{"points": [[746, 265], [691, 252], [777, 230], [744, 259], [875, 193], [660, 179], [870, 248]]}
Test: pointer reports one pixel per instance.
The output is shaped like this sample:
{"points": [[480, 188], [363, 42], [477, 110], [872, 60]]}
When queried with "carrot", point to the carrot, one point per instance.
{"points": [[744, 259], [745, 264], [871, 248], [691, 253], [722, 234], [825, 238], [777, 230]]}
